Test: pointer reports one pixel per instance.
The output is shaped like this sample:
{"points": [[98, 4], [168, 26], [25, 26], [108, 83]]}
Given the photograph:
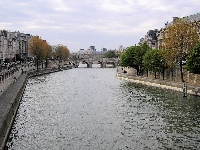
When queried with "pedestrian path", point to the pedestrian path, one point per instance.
{"points": [[8, 106], [189, 91]]}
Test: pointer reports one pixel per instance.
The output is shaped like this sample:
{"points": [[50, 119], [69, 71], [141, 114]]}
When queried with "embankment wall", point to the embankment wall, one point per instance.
{"points": [[10, 101], [169, 81]]}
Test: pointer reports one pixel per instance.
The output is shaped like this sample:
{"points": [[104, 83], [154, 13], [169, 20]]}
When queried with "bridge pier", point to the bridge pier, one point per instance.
{"points": [[115, 64], [103, 65], [89, 65], [76, 64]]}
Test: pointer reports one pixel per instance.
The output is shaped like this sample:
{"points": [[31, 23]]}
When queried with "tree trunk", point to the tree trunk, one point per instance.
{"points": [[46, 63], [147, 73], [172, 74], [138, 70], [163, 71], [37, 64]]}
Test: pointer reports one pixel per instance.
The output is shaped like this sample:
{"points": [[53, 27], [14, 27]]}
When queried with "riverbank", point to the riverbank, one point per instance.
{"points": [[10, 100], [158, 83]]}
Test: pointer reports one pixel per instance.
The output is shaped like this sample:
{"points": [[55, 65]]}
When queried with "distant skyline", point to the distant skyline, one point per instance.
{"points": [[83, 23]]}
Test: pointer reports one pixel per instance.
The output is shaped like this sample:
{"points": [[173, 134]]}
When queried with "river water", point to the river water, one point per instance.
{"points": [[89, 108]]}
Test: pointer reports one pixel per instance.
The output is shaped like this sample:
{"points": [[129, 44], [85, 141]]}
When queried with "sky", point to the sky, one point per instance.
{"points": [[79, 24]]}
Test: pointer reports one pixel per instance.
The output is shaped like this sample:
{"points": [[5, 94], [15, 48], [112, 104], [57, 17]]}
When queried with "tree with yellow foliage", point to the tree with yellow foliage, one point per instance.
{"points": [[62, 52], [48, 53], [37, 48], [179, 39]]}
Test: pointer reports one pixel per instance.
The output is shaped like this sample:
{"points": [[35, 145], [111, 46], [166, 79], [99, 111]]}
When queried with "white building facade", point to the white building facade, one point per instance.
{"points": [[13, 46]]}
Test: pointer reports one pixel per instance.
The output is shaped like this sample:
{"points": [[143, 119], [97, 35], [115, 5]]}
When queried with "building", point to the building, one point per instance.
{"points": [[13, 46], [81, 51], [154, 38], [150, 39], [92, 48], [104, 49]]}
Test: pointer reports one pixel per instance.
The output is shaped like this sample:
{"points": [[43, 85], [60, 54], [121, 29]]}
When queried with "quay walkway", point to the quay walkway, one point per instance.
{"points": [[9, 102], [159, 83], [10, 99]]}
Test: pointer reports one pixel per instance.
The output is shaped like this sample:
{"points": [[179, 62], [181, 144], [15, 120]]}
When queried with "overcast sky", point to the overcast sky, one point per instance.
{"points": [[79, 24]]}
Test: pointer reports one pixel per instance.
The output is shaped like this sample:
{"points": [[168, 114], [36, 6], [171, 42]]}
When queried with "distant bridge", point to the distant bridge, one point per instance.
{"points": [[104, 62]]}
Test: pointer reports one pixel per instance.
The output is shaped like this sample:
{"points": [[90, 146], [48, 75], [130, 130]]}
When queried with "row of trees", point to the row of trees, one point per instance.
{"points": [[180, 42], [111, 54], [133, 57], [42, 51]]}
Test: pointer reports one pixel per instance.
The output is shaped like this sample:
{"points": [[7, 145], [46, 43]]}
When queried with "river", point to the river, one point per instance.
{"points": [[90, 109]]}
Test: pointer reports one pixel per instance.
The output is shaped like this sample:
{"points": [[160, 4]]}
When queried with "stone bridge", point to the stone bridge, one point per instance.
{"points": [[104, 62]]}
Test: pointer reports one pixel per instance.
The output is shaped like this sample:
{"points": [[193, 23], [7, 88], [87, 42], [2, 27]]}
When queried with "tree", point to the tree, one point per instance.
{"points": [[127, 59], [62, 52], [133, 57], [48, 53], [193, 61], [139, 56], [110, 54], [178, 41], [37, 49], [154, 61]]}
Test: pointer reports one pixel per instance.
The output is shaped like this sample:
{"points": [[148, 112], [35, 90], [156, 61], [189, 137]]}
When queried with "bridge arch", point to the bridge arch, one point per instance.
{"points": [[104, 62]]}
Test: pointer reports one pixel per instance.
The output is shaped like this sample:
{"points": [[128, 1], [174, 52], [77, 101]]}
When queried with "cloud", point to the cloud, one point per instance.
{"points": [[117, 6], [79, 24], [4, 25]]}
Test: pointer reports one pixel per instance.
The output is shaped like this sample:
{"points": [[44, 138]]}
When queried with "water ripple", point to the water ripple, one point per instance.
{"points": [[91, 109]]}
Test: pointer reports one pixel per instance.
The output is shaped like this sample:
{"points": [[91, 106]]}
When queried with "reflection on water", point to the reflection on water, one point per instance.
{"points": [[88, 108], [173, 120], [93, 65]]}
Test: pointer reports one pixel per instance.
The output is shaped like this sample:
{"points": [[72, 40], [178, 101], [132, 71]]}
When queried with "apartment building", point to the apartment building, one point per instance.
{"points": [[13, 46], [154, 38], [150, 39]]}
